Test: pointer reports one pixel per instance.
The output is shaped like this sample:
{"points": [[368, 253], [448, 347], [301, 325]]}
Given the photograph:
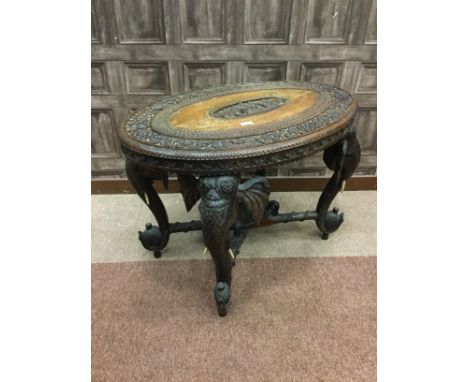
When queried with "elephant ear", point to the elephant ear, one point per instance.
{"points": [[253, 195], [189, 190]]}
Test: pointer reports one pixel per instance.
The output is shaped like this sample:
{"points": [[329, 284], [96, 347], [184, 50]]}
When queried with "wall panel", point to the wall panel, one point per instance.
{"points": [[202, 21], [327, 21], [99, 78], [321, 72], [140, 21], [203, 75], [144, 50], [146, 78], [266, 71], [367, 79], [267, 21], [371, 30]]}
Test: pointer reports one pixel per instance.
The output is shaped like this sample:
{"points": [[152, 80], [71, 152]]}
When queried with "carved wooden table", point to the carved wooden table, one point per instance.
{"points": [[209, 137]]}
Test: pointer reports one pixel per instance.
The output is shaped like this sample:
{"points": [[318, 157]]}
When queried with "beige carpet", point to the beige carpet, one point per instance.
{"points": [[295, 319]]}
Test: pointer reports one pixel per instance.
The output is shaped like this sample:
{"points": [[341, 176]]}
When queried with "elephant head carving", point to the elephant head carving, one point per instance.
{"points": [[251, 195]]}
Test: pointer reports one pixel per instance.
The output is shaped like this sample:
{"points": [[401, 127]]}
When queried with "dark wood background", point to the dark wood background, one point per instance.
{"points": [[143, 50]]}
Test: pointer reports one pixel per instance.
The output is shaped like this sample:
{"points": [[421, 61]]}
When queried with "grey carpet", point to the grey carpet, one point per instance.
{"points": [[290, 319]]}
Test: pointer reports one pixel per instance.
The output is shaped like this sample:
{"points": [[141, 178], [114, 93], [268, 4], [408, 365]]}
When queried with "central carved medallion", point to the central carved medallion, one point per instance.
{"points": [[250, 107]]}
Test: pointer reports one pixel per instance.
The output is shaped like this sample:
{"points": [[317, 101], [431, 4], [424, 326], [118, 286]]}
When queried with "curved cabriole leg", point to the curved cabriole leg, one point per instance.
{"points": [[342, 158], [153, 238], [218, 210]]}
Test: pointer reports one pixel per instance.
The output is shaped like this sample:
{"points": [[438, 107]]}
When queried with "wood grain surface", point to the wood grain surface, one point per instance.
{"points": [[198, 116]]}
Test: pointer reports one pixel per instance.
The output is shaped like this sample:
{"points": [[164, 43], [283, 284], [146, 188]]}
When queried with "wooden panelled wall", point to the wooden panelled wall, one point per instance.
{"points": [[143, 50]]}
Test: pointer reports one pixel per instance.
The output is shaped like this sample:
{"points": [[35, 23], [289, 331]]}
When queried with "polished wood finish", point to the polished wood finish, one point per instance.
{"points": [[198, 116]]}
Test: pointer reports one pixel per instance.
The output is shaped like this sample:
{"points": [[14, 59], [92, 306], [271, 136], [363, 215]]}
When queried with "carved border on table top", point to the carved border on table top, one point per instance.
{"points": [[235, 165], [136, 132], [250, 152]]}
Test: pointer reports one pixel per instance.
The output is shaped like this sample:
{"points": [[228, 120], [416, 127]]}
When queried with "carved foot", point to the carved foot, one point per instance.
{"points": [[222, 294], [151, 239], [332, 222]]}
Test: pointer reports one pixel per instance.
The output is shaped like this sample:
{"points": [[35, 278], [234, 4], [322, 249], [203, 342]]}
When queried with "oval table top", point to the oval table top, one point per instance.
{"points": [[236, 128]]}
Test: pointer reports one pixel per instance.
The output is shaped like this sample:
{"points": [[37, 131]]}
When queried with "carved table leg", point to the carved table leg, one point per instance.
{"points": [[218, 210], [342, 158], [153, 238]]}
